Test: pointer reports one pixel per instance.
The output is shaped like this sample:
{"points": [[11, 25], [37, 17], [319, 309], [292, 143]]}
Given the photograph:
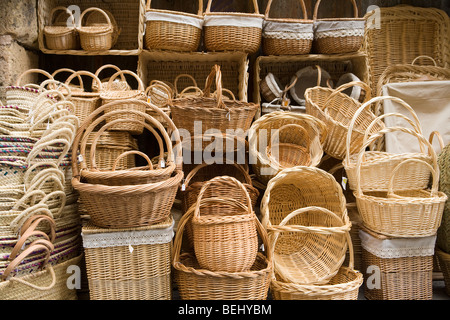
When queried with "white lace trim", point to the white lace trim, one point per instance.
{"points": [[339, 33], [399, 247], [288, 35], [133, 238]]}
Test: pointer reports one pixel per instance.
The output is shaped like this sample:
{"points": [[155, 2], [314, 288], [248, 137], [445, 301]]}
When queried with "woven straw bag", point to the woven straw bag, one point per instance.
{"points": [[377, 166], [338, 35], [213, 112], [133, 205], [111, 95], [336, 110], [59, 35], [287, 36], [314, 232], [226, 240], [233, 31], [405, 213], [95, 35], [173, 30], [195, 283], [260, 135]]}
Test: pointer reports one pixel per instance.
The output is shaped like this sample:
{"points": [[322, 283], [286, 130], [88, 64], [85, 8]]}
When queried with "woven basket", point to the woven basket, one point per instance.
{"points": [[195, 283], [172, 30], [233, 31], [96, 36], [444, 263], [271, 88], [313, 232], [443, 234], [260, 135], [73, 87], [338, 35], [287, 36], [143, 255], [226, 240], [212, 112], [111, 95], [25, 95], [391, 273], [60, 36]]}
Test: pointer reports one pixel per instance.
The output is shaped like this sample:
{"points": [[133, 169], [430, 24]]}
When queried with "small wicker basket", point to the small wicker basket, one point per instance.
{"points": [[59, 35], [96, 36]]}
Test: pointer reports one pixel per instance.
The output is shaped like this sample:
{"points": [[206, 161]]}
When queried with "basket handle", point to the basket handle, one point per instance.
{"points": [[83, 73], [303, 132], [366, 105], [126, 153], [439, 137], [40, 71], [316, 9], [66, 10], [195, 170], [71, 71], [159, 85], [92, 9], [123, 72], [200, 6], [378, 135], [347, 85], [424, 57], [106, 66], [183, 75], [255, 6], [232, 96], [183, 93], [224, 179], [302, 3]]}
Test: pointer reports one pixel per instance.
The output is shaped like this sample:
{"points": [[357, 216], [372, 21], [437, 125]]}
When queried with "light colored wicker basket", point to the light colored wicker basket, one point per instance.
{"points": [[95, 36], [287, 36], [444, 264], [443, 234], [60, 36], [129, 264], [233, 31], [173, 30], [338, 35]]}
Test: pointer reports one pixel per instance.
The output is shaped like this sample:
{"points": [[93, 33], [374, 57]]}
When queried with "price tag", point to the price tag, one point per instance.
{"points": [[344, 183], [80, 158], [130, 248]]}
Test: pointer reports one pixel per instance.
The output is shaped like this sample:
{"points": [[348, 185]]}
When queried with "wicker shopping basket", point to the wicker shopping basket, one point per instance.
{"points": [[59, 35], [173, 30], [287, 36], [338, 35], [336, 110], [195, 283], [100, 31], [212, 112], [233, 31]]}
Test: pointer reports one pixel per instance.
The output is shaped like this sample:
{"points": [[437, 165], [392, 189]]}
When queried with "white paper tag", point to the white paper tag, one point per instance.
{"points": [[344, 183], [183, 187], [229, 116], [130, 248], [163, 164], [80, 158]]}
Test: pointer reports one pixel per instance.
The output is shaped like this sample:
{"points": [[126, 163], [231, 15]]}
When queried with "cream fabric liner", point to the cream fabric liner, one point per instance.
{"points": [[274, 26], [398, 248], [431, 102], [323, 26], [224, 20], [176, 18]]}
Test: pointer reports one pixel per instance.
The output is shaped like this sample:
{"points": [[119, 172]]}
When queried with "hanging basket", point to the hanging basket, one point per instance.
{"points": [[95, 35], [287, 36], [233, 31], [60, 36], [338, 35], [172, 30]]}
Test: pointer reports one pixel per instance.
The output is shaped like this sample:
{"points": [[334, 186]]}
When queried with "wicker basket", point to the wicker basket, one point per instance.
{"points": [[313, 232], [143, 255], [397, 269], [271, 88], [74, 88], [111, 95], [60, 36], [97, 36], [172, 30], [213, 112], [338, 35], [444, 264], [443, 234], [195, 283], [117, 85], [262, 130], [233, 31], [287, 36]]}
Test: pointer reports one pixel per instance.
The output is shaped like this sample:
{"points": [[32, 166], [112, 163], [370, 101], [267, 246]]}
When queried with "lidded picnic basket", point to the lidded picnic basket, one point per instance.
{"points": [[213, 111], [338, 35], [100, 30], [59, 35], [336, 110], [173, 30], [287, 36], [110, 95], [233, 31]]}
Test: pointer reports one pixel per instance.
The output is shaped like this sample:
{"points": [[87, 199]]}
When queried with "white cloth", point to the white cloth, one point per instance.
{"points": [[176, 18], [233, 20], [271, 26], [399, 247], [431, 102], [324, 25]]}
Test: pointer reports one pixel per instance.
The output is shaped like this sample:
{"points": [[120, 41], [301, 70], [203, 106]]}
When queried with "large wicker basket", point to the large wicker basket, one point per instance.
{"points": [[287, 36], [173, 30], [60, 36], [233, 31]]}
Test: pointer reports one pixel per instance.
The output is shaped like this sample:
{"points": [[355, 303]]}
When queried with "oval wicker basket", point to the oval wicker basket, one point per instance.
{"points": [[59, 35], [287, 36]]}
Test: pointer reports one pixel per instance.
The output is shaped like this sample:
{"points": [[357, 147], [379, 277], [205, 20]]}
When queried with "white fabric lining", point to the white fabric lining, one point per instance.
{"points": [[217, 21], [182, 19]]}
